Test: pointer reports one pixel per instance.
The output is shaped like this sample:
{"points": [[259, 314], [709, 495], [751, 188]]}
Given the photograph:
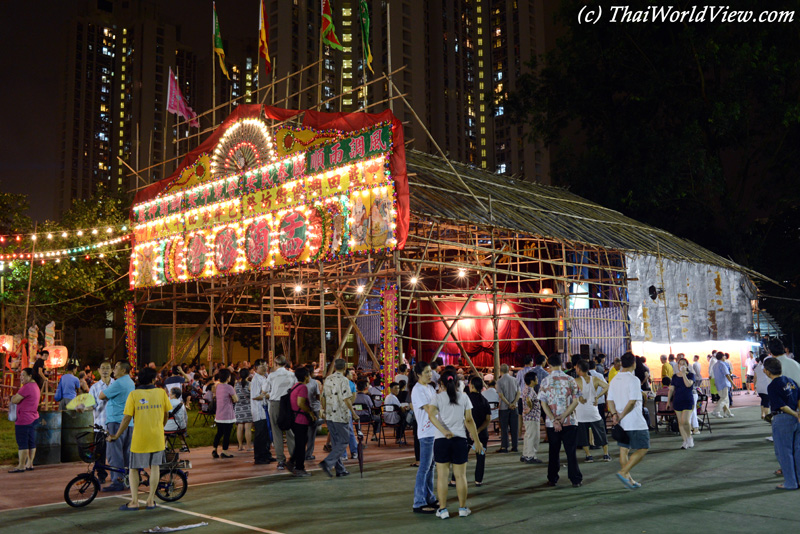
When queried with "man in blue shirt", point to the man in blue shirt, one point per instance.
{"points": [[784, 394], [116, 394], [68, 386], [723, 380]]}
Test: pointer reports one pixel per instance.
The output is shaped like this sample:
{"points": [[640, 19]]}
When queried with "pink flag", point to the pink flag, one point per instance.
{"points": [[177, 104]]}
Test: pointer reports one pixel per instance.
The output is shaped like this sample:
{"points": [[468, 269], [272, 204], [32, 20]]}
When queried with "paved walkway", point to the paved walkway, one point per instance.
{"points": [[725, 484]]}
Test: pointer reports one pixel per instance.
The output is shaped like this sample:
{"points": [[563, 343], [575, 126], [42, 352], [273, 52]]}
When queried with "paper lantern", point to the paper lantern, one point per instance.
{"points": [[58, 356], [547, 291]]}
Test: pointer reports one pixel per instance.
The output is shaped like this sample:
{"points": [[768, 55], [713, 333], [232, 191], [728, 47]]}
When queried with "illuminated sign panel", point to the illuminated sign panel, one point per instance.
{"points": [[332, 199]]}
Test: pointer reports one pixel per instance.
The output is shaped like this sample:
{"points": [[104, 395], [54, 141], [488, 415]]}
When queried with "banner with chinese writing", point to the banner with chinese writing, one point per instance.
{"points": [[389, 348]]}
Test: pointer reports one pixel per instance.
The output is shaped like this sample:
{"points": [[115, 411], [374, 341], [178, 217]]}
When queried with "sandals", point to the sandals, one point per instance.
{"points": [[628, 484], [17, 471]]}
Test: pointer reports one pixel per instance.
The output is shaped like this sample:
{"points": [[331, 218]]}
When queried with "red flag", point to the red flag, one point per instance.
{"points": [[263, 38], [328, 34], [177, 104]]}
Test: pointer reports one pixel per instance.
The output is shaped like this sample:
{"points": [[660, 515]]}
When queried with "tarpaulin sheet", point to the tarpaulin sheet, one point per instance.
{"points": [[703, 302]]}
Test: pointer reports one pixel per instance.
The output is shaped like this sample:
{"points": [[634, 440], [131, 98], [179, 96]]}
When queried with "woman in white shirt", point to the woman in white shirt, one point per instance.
{"points": [[451, 416]]}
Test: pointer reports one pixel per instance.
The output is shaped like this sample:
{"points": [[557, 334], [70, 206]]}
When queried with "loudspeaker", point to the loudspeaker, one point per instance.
{"points": [[585, 350]]}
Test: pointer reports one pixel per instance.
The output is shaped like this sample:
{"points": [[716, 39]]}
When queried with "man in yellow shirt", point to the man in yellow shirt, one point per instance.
{"points": [[666, 368], [614, 369], [149, 407]]}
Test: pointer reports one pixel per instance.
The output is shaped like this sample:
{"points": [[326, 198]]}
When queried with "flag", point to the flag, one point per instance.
{"points": [[328, 29], [263, 38], [177, 104], [363, 16], [218, 44]]}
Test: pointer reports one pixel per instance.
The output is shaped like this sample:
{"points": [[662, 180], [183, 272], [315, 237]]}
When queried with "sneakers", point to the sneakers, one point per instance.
{"points": [[281, 466], [428, 509], [590, 459], [533, 461], [606, 458], [443, 513], [690, 442], [729, 414], [523, 459], [464, 512], [302, 473], [354, 456], [501, 450], [289, 465]]}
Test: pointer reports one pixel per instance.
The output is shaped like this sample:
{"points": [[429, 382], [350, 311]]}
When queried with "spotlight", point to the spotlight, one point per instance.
{"points": [[414, 280], [462, 273], [360, 289], [654, 292], [298, 288]]}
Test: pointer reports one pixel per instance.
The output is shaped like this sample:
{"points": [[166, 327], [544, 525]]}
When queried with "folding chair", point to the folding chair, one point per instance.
{"points": [[495, 422], [206, 411], [702, 412], [663, 416], [364, 417], [392, 408]]}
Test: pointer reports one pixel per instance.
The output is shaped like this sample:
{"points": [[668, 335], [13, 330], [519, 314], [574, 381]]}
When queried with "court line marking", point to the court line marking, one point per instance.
{"points": [[101, 498], [212, 518]]}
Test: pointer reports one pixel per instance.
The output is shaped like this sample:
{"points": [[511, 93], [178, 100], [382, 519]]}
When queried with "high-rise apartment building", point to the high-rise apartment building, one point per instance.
{"points": [[460, 60], [118, 56]]}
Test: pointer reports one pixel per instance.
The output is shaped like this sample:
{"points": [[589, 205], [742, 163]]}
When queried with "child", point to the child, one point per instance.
{"points": [[531, 416], [784, 397]]}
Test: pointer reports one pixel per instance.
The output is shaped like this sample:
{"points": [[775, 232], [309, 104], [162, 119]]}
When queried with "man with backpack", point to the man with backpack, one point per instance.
{"points": [[278, 383]]}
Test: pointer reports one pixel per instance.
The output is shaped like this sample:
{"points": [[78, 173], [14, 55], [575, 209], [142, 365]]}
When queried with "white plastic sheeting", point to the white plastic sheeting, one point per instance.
{"points": [[703, 302]]}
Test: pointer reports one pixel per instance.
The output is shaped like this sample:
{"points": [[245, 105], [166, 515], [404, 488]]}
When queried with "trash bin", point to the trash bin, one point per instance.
{"points": [[48, 438], [72, 424]]}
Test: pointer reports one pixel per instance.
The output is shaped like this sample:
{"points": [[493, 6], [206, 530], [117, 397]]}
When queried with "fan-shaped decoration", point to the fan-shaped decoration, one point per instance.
{"points": [[196, 255], [292, 235], [191, 175], [245, 145], [225, 250], [257, 243]]}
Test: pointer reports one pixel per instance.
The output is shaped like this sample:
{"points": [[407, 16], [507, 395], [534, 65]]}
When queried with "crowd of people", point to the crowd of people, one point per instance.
{"points": [[448, 409]]}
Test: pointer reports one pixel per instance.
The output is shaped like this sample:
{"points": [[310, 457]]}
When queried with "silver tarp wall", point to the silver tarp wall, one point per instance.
{"points": [[703, 302]]}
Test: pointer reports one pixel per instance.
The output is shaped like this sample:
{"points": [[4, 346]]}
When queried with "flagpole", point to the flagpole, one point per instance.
{"points": [[389, 52], [319, 68], [178, 125], [213, 69], [363, 62]]}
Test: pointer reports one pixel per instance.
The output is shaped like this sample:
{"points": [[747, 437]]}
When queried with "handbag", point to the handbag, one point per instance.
{"points": [[12, 412], [619, 434]]}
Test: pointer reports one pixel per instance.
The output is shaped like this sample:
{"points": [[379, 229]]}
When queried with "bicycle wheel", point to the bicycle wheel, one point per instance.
{"points": [[81, 490], [172, 485]]}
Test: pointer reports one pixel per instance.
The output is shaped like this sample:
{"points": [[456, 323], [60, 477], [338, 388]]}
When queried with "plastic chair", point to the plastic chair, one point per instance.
{"points": [[664, 416], [702, 412], [392, 408]]}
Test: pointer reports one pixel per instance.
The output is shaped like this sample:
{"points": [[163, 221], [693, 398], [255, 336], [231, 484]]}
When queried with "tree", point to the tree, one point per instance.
{"points": [[690, 127], [83, 286]]}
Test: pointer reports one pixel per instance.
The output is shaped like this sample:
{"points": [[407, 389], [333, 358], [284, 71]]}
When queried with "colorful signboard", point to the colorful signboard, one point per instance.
{"points": [[337, 197]]}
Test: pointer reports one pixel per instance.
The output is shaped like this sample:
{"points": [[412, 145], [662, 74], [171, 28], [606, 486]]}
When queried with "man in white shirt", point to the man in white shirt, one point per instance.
{"points": [[789, 367], [99, 408], [258, 402], [278, 383], [750, 371], [625, 403]]}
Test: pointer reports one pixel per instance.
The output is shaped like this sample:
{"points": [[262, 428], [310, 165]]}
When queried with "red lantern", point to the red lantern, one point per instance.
{"points": [[547, 291], [58, 356]]}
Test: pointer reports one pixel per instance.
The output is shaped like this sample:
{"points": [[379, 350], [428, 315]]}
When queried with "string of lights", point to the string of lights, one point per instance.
{"points": [[9, 264], [64, 234], [60, 253]]}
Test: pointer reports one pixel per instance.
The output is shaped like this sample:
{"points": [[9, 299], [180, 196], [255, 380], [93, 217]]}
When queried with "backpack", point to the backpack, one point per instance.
{"points": [[285, 413]]}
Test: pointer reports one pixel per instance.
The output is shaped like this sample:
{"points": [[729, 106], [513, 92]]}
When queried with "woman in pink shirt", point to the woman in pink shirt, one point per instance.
{"points": [[27, 401], [226, 416]]}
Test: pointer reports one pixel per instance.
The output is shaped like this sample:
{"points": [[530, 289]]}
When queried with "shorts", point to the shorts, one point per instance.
{"points": [[143, 460], [750, 379], [599, 430], [764, 400], [26, 436], [639, 439], [450, 451]]}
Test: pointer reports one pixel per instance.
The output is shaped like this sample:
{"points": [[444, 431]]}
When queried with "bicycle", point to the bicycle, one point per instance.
{"points": [[82, 490]]}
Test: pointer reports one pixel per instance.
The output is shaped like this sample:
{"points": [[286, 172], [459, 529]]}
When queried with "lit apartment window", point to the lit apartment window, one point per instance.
{"points": [[501, 168], [499, 111]]}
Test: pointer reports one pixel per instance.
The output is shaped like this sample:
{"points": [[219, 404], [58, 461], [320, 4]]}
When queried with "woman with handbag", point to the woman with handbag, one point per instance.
{"points": [[26, 403]]}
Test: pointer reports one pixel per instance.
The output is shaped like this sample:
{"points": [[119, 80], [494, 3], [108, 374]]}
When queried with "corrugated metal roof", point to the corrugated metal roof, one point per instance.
{"points": [[539, 210]]}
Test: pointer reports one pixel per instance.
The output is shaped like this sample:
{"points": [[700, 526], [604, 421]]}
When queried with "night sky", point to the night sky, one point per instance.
{"points": [[32, 66]]}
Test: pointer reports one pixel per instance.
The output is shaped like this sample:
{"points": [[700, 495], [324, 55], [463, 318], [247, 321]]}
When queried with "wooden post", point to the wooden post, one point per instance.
{"points": [[271, 323], [322, 310], [261, 322]]}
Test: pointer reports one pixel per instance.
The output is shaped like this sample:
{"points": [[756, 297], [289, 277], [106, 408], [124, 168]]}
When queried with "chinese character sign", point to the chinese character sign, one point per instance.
{"points": [[389, 334]]}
